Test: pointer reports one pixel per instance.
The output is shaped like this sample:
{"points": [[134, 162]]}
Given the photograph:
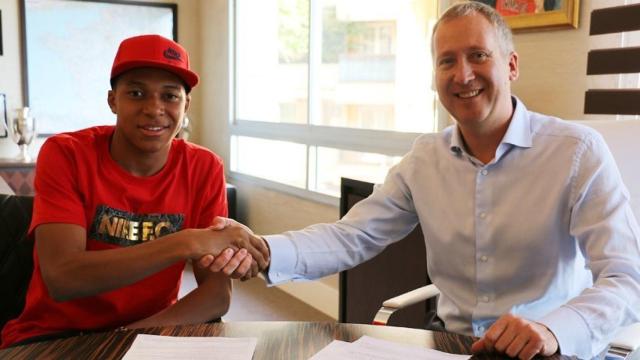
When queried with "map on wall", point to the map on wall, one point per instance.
{"points": [[70, 48]]}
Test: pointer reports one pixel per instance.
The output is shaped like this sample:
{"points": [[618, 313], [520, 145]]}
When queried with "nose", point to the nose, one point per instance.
{"points": [[154, 106], [463, 72]]}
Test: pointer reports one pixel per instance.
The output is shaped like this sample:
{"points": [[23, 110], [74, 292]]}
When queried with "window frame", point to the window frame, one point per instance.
{"points": [[390, 143]]}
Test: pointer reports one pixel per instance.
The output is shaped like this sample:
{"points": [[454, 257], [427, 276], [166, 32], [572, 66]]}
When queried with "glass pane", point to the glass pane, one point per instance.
{"points": [[280, 161], [332, 164], [375, 71], [272, 52]]}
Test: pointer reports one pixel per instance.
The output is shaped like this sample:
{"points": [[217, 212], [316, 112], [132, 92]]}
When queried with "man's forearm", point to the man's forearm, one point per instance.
{"points": [[73, 272]]}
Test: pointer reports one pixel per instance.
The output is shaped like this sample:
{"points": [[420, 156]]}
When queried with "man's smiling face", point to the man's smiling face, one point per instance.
{"points": [[149, 104], [473, 73]]}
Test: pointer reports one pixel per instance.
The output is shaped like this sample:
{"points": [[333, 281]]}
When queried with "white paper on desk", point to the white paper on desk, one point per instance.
{"points": [[336, 350], [185, 347], [368, 348], [406, 350]]}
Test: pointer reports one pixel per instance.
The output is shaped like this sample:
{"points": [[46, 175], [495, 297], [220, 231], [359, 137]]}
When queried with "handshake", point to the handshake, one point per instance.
{"points": [[232, 248]]}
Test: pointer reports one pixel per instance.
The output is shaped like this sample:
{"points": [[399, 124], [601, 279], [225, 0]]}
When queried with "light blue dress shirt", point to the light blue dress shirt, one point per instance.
{"points": [[543, 231]]}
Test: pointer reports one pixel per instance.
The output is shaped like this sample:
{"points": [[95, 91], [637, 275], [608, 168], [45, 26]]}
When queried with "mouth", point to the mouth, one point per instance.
{"points": [[153, 130], [468, 94]]}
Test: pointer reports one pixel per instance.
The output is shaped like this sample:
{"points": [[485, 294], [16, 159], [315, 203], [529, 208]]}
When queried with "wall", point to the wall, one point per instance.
{"points": [[553, 66]]}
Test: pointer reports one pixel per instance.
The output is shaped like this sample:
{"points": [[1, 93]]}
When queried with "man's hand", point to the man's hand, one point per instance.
{"points": [[236, 264], [517, 337]]}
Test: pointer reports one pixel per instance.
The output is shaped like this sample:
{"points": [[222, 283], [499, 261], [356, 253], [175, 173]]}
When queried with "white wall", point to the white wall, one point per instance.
{"points": [[553, 65]]}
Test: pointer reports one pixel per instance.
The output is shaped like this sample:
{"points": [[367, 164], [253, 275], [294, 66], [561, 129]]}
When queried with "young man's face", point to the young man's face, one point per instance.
{"points": [[472, 74], [149, 104]]}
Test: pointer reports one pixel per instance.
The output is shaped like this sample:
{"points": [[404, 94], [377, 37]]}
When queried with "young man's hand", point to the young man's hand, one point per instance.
{"points": [[238, 264], [518, 338]]}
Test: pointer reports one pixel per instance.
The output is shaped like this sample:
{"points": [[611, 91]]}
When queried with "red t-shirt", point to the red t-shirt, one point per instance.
{"points": [[77, 182]]}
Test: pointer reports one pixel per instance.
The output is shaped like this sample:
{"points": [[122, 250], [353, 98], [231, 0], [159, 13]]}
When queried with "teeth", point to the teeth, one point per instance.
{"points": [[466, 95], [153, 128]]}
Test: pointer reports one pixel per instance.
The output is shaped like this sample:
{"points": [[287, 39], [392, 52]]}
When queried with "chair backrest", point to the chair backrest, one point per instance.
{"points": [[16, 254], [623, 138]]}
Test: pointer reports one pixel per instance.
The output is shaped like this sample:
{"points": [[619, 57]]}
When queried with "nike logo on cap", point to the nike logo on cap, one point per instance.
{"points": [[172, 54]]}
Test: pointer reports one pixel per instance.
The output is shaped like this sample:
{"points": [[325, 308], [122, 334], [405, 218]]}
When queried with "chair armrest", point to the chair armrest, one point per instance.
{"points": [[626, 342], [412, 297], [401, 301]]}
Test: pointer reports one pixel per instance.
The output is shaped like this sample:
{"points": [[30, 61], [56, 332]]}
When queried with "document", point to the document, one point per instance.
{"points": [[184, 347], [368, 348]]}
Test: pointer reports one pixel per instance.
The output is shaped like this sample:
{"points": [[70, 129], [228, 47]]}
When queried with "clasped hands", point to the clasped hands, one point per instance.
{"points": [[246, 255]]}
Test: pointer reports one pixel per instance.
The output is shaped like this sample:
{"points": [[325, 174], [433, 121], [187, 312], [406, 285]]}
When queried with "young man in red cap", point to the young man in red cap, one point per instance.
{"points": [[118, 210]]}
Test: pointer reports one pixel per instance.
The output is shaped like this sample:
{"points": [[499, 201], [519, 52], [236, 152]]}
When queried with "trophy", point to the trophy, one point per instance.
{"points": [[23, 130]]}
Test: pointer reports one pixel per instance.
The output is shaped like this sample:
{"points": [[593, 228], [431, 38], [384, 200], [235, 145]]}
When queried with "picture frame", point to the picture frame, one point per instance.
{"points": [[527, 15], [1, 47], [3, 117], [67, 53]]}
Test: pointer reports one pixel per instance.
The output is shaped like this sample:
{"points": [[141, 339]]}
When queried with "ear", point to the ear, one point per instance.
{"points": [[514, 72], [187, 103], [111, 100]]}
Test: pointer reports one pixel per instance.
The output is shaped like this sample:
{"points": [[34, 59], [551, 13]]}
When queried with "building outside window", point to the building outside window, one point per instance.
{"points": [[325, 89]]}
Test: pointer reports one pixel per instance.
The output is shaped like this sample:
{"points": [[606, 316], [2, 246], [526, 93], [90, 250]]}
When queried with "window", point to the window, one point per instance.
{"points": [[329, 88], [69, 48]]}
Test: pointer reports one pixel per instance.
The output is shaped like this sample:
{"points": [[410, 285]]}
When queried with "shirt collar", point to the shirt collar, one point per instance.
{"points": [[518, 133]]}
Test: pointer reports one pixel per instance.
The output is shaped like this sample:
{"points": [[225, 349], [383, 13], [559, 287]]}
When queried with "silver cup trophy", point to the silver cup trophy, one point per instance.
{"points": [[23, 130]]}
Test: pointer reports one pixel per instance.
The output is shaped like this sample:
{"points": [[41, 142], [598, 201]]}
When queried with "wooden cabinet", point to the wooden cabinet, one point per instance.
{"points": [[18, 175]]}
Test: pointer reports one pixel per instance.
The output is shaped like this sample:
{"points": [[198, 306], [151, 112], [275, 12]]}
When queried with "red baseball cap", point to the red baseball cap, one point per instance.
{"points": [[153, 51]]}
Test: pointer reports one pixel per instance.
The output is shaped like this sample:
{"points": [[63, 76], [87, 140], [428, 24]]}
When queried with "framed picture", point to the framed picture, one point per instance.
{"points": [[537, 14], [1, 33], [3, 116], [68, 50]]}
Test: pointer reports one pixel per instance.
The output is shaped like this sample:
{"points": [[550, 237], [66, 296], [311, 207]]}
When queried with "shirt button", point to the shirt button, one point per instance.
{"points": [[484, 172], [485, 299], [483, 215], [484, 258], [480, 329]]}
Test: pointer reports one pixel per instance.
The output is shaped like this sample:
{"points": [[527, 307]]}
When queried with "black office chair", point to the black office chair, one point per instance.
{"points": [[16, 254]]}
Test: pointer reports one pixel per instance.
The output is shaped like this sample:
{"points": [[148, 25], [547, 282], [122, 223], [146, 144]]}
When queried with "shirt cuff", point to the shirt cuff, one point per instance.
{"points": [[570, 330], [283, 259]]}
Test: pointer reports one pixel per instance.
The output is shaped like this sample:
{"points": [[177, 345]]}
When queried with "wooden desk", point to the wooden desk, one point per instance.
{"points": [[276, 340]]}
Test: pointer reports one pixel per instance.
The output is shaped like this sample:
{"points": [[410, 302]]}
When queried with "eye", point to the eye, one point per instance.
{"points": [[171, 96], [135, 93], [445, 62], [479, 56]]}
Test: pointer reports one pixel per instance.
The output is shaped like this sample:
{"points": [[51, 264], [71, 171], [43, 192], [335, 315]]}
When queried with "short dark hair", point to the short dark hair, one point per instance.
{"points": [[114, 82]]}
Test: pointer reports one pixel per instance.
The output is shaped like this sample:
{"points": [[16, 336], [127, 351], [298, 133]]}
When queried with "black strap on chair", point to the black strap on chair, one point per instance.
{"points": [[16, 254]]}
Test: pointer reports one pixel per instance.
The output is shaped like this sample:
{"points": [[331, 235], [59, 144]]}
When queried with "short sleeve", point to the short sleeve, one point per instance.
{"points": [[57, 198], [214, 201]]}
